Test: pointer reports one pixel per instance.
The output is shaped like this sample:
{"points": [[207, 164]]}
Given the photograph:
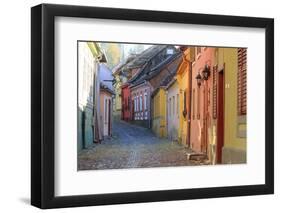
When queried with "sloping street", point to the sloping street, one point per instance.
{"points": [[132, 146]]}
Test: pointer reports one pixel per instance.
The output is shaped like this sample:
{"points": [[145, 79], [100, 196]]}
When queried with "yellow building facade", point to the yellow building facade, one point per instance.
{"points": [[159, 113], [183, 79], [235, 125], [117, 107]]}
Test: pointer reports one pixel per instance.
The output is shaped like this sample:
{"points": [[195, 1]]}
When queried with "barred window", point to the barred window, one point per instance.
{"points": [[242, 81]]}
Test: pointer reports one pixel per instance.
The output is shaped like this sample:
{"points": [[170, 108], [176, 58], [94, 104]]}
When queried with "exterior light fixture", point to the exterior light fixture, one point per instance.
{"points": [[206, 72], [198, 79]]}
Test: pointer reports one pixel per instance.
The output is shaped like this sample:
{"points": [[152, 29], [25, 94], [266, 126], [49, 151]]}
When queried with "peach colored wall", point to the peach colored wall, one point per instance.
{"points": [[197, 116], [104, 124]]}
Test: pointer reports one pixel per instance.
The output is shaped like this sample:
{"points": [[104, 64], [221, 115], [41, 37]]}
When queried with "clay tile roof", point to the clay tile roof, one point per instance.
{"points": [[145, 56], [146, 69]]}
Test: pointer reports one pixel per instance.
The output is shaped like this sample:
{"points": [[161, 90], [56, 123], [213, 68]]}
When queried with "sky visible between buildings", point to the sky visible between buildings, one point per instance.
{"points": [[118, 52]]}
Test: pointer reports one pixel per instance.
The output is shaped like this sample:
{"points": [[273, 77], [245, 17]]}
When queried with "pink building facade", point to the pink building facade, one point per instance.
{"points": [[201, 94], [140, 97]]}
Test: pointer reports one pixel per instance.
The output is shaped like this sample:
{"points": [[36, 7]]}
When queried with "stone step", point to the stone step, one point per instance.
{"points": [[196, 156]]}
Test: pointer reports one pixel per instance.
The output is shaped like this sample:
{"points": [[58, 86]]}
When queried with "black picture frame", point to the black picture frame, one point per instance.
{"points": [[43, 105]]}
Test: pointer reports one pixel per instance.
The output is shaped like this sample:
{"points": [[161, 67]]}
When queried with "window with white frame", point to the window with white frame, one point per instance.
{"points": [[137, 103], [145, 101], [140, 102]]}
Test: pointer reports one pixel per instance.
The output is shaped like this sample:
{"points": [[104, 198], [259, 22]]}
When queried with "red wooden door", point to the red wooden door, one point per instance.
{"points": [[220, 128]]}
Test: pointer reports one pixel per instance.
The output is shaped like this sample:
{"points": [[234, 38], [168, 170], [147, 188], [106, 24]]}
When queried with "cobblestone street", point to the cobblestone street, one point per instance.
{"points": [[132, 146]]}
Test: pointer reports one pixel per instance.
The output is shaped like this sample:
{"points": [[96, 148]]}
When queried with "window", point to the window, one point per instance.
{"points": [[242, 81], [135, 104], [145, 101], [170, 51], [215, 91], [140, 102]]}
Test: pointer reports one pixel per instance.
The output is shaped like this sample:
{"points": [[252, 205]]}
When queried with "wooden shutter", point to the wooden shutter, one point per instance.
{"points": [[215, 91], [242, 81]]}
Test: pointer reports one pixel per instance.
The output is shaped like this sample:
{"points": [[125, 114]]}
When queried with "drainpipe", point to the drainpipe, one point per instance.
{"points": [[189, 102], [97, 101]]}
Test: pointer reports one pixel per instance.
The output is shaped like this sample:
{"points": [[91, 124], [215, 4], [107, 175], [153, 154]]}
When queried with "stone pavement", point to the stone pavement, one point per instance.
{"points": [[132, 146]]}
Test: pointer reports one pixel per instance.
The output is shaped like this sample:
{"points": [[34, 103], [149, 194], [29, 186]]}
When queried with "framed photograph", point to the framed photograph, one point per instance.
{"points": [[136, 106]]}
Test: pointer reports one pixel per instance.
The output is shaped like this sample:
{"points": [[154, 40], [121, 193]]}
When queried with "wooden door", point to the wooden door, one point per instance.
{"points": [[220, 124]]}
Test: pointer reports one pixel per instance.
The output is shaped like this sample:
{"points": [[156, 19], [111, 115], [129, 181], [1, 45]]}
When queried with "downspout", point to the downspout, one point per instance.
{"points": [[97, 101], [189, 103]]}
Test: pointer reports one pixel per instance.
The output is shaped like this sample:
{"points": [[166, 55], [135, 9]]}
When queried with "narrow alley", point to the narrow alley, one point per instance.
{"points": [[132, 146], [155, 105]]}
